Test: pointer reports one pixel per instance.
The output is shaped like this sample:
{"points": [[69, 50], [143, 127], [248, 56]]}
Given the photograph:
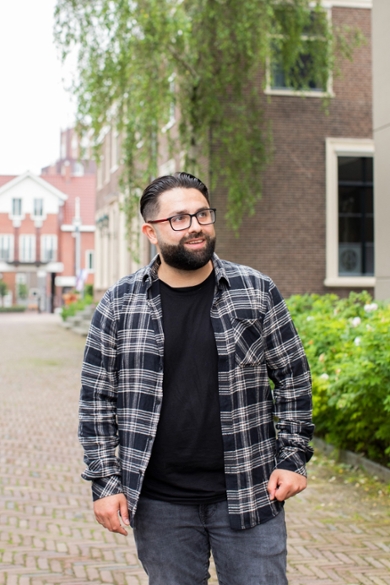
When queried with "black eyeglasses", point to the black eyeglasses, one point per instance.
{"points": [[183, 221]]}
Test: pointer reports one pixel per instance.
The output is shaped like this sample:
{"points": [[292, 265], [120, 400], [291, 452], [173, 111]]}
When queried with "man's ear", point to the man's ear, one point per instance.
{"points": [[149, 232]]}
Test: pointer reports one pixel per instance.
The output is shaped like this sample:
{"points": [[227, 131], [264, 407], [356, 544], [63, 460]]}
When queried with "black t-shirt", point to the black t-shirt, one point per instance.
{"points": [[186, 464]]}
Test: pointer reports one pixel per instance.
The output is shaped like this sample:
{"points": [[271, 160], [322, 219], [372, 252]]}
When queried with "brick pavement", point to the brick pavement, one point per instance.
{"points": [[339, 528]]}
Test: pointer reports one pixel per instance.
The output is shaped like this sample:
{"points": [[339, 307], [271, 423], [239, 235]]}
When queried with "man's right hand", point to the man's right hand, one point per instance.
{"points": [[107, 511]]}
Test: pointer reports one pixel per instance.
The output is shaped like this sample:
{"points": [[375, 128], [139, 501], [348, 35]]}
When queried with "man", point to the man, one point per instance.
{"points": [[176, 373]]}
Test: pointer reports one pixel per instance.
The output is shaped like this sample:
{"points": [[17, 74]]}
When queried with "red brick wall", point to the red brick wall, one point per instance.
{"points": [[286, 237]]}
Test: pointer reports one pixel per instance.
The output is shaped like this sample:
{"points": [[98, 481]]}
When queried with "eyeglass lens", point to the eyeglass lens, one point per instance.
{"points": [[184, 220]]}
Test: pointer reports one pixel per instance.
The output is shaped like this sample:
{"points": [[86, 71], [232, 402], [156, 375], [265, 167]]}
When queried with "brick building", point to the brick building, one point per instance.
{"points": [[313, 230], [47, 231]]}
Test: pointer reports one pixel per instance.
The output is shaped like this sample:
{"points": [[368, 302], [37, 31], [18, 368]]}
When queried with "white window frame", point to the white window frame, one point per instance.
{"points": [[336, 147], [9, 247], [42, 215], [89, 254], [22, 248], [296, 92], [347, 3], [51, 238], [12, 214]]}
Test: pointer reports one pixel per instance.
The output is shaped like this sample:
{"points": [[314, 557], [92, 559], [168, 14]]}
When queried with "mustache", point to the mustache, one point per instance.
{"points": [[194, 236]]}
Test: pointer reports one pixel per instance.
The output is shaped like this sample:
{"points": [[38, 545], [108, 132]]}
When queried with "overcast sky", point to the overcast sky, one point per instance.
{"points": [[33, 103]]}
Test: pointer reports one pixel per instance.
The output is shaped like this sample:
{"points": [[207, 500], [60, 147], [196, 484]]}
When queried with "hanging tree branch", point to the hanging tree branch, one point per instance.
{"points": [[217, 49]]}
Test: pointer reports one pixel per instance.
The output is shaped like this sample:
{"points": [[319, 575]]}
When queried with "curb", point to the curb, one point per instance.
{"points": [[351, 458]]}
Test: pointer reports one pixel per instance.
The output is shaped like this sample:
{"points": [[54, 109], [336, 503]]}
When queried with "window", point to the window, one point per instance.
{"points": [[20, 278], [280, 81], [89, 260], [38, 207], [349, 213], [6, 247], [356, 216], [304, 69], [78, 169], [27, 248], [48, 248], [16, 207]]}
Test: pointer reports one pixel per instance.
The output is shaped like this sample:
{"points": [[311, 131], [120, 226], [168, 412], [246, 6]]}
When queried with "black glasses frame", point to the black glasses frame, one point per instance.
{"points": [[190, 215]]}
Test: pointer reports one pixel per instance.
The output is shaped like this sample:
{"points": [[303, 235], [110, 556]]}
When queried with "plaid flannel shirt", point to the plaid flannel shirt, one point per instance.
{"points": [[122, 388]]}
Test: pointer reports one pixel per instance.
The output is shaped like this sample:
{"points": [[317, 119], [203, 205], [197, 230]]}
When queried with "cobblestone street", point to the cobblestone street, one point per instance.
{"points": [[339, 528]]}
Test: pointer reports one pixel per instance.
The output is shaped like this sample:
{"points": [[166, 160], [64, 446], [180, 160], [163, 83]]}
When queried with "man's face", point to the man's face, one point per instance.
{"points": [[188, 249]]}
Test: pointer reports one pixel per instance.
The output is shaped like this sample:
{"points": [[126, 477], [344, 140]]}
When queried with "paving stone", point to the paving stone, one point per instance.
{"points": [[338, 529]]}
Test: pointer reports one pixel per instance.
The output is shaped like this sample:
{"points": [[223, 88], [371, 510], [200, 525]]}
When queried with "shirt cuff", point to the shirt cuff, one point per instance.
{"points": [[294, 460], [106, 486]]}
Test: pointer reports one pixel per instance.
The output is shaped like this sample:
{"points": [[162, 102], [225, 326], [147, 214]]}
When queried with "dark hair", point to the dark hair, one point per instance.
{"points": [[149, 200]]}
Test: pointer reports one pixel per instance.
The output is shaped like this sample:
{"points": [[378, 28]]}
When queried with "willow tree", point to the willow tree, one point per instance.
{"points": [[136, 58]]}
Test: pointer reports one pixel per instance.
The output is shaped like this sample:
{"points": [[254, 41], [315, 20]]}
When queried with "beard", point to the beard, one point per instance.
{"points": [[179, 257]]}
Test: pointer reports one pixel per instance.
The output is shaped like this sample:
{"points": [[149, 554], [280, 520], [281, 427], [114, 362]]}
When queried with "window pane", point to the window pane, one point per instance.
{"points": [[27, 248], [16, 207], [5, 248], [356, 216], [350, 169], [369, 230], [300, 73], [350, 229], [369, 259], [349, 200], [350, 260], [38, 207], [356, 169], [369, 200], [48, 248]]}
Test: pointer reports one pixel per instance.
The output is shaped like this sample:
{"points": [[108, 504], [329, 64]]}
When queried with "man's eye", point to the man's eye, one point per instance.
{"points": [[203, 214], [179, 218]]}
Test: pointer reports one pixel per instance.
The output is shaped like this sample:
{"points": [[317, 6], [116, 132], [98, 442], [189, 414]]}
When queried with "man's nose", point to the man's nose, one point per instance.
{"points": [[194, 224]]}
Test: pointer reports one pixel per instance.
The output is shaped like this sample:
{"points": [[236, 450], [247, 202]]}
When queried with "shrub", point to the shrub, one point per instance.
{"points": [[3, 290], [88, 290], [347, 342], [72, 308]]}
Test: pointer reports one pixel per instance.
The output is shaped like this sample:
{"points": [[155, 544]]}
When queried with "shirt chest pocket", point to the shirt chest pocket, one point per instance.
{"points": [[248, 339]]}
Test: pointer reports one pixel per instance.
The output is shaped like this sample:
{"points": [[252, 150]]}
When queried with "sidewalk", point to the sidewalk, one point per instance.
{"points": [[339, 528]]}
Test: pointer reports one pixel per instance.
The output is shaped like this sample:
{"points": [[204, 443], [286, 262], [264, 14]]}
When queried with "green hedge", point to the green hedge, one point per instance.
{"points": [[347, 342], [73, 308], [13, 309]]}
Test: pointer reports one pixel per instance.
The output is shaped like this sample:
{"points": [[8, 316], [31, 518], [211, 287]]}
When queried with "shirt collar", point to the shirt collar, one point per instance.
{"points": [[151, 271], [220, 272]]}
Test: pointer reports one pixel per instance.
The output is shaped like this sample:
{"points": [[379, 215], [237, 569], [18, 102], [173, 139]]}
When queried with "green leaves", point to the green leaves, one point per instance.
{"points": [[347, 342], [218, 52]]}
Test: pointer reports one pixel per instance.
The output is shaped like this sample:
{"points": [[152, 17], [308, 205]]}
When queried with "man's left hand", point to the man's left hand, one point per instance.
{"points": [[284, 484]]}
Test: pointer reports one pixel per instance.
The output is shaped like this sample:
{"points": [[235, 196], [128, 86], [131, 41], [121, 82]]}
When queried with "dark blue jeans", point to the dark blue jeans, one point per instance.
{"points": [[174, 544]]}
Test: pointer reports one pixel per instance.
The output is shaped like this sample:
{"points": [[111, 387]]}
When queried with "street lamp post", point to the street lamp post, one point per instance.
{"points": [[77, 235]]}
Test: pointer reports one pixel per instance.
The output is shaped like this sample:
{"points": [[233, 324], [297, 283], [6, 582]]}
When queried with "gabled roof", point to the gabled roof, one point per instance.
{"points": [[5, 178], [12, 182]]}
